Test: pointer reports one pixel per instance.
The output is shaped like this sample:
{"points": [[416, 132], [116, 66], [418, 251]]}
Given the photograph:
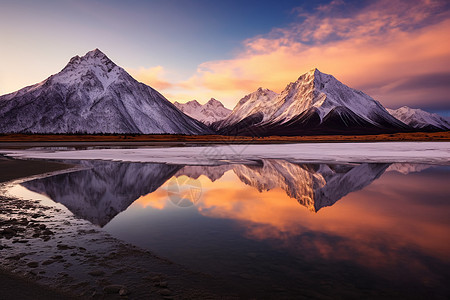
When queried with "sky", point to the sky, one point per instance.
{"points": [[398, 52]]}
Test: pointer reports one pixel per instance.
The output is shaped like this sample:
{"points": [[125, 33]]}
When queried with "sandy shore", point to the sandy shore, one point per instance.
{"points": [[47, 253]]}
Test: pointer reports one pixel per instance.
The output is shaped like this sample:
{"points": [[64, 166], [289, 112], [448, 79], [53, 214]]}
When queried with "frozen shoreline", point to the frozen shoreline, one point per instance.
{"points": [[386, 152]]}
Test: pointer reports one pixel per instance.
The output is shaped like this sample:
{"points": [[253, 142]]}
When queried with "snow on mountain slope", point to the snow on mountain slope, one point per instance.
{"points": [[257, 103], [93, 95], [316, 100], [324, 92], [212, 111], [418, 118]]}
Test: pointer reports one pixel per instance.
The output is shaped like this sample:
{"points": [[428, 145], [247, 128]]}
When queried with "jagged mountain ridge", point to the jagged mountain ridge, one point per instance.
{"points": [[213, 173], [208, 113], [256, 103], [314, 104], [420, 119], [93, 95]]}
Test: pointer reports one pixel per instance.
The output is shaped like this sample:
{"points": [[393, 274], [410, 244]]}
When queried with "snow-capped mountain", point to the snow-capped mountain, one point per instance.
{"points": [[420, 119], [315, 103], [92, 94], [212, 111], [257, 104]]}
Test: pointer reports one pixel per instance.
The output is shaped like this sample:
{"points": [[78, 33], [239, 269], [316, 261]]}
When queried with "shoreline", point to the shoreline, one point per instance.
{"points": [[18, 285], [20, 168], [24, 141], [48, 252], [51, 252]]}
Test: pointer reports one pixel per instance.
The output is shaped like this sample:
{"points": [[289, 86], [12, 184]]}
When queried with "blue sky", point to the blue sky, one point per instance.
{"points": [[176, 34]]}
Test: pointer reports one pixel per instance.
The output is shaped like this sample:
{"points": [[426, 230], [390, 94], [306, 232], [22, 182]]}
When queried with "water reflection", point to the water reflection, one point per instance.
{"points": [[390, 237], [104, 188]]}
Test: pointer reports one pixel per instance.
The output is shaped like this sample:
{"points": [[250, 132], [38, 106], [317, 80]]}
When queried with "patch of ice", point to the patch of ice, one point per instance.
{"points": [[387, 152]]}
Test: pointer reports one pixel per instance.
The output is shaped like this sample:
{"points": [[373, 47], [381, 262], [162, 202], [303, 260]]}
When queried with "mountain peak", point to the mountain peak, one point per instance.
{"points": [[314, 75], [95, 53], [314, 71], [91, 58], [193, 103], [208, 113], [261, 90], [213, 102]]}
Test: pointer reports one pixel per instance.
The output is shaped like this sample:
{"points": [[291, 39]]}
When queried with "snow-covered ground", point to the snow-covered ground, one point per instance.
{"points": [[388, 152]]}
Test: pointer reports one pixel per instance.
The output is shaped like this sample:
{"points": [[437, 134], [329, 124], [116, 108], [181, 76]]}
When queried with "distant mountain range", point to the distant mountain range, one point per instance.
{"points": [[208, 113], [420, 119], [94, 95], [316, 103]]}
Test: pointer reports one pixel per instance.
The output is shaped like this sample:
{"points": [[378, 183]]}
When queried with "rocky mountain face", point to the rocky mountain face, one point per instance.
{"points": [[316, 103], [208, 113], [93, 95], [420, 119]]}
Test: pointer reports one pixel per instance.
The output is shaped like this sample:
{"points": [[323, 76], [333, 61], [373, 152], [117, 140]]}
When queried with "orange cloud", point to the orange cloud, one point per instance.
{"points": [[151, 76], [374, 49]]}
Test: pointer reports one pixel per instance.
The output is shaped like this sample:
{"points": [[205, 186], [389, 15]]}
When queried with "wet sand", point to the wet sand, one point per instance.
{"points": [[13, 168], [47, 253], [15, 286]]}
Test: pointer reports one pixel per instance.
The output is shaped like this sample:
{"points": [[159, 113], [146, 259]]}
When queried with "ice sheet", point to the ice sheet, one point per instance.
{"points": [[388, 152]]}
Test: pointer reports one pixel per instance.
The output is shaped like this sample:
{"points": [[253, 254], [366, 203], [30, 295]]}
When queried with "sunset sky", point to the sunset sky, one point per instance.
{"points": [[398, 52]]}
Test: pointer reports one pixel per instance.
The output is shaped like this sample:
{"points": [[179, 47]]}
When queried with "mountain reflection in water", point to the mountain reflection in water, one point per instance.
{"points": [[106, 188], [388, 237]]}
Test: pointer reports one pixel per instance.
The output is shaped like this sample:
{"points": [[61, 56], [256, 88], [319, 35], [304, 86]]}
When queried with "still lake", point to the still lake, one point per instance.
{"points": [[277, 228]]}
